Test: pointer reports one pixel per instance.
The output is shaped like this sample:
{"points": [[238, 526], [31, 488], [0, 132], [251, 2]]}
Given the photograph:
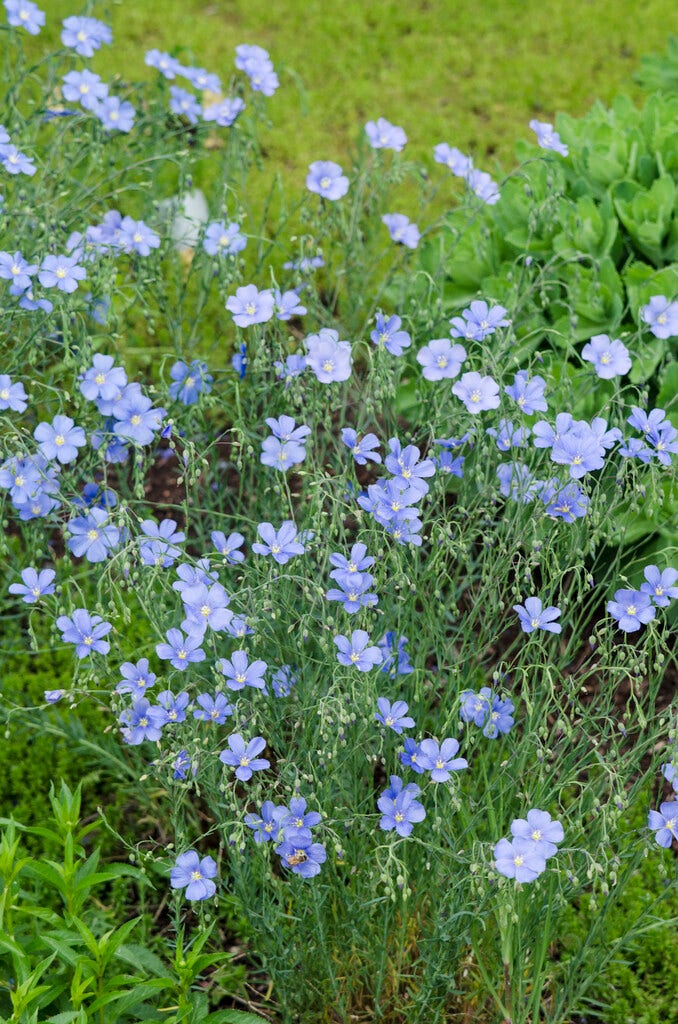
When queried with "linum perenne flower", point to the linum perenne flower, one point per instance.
{"points": [[547, 138], [280, 544], [329, 358], [631, 609], [195, 875], [610, 358], [533, 616], [327, 180], [35, 585], [243, 757], [85, 631], [399, 807], [357, 652]]}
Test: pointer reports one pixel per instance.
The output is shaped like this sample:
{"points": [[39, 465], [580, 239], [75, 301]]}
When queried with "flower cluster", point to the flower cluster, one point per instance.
{"points": [[535, 840]]}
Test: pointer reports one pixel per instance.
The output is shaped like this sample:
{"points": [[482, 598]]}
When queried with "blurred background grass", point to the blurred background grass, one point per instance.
{"points": [[468, 72]]}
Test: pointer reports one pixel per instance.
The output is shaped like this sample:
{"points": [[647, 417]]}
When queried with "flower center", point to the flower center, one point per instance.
{"points": [[59, 440], [631, 610], [92, 534], [182, 655], [328, 366], [100, 378], [205, 610], [61, 273], [195, 876], [135, 420], [518, 860], [475, 396], [442, 362], [325, 182], [250, 309]]}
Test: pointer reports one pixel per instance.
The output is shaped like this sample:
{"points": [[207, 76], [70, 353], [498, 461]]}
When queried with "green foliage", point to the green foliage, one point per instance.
{"points": [[78, 964]]}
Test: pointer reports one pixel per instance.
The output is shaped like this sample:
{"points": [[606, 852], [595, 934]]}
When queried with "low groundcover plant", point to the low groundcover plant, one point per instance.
{"points": [[406, 679]]}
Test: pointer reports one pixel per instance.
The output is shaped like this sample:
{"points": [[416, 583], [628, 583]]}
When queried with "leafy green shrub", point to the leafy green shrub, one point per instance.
{"points": [[66, 958]]}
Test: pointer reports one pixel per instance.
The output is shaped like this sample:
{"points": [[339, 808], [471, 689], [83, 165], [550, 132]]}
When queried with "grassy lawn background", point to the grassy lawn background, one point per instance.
{"points": [[468, 72]]}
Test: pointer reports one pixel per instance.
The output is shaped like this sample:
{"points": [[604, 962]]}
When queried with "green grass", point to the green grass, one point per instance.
{"points": [[469, 73]]}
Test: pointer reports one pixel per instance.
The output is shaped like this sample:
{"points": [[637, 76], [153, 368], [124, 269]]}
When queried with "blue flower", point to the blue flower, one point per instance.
{"points": [[538, 828], [16, 269], [631, 609], [440, 359], [661, 316], [185, 104], [394, 716], [520, 859], [439, 759], [400, 810], [387, 333], [228, 547], [24, 14], [180, 651], [280, 544], [384, 135], [476, 392], [166, 65], [401, 230], [660, 585], [142, 722], [239, 672], [195, 875], [93, 535], [35, 585], [103, 380], [356, 652], [282, 681], [394, 658], [664, 824], [16, 162], [411, 755], [533, 616], [212, 709], [190, 381], [182, 764], [567, 503], [354, 593], [175, 706], [60, 440], [301, 856], [327, 180], [527, 392], [138, 419], [250, 306], [287, 305], [478, 321], [329, 358], [243, 757], [62, 272], [267, 825], [460, 164], [610, 358], [85, 631], [547, 138], [362, 449], [85, 88], [223, 239], [205, 606], [115, 114], [475, 707], [136, 679], [224, 113], [85, 35], [135, 236]]}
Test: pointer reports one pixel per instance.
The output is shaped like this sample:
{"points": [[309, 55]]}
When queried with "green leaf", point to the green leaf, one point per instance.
{"points": [[139, 956], [647, 359]]}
